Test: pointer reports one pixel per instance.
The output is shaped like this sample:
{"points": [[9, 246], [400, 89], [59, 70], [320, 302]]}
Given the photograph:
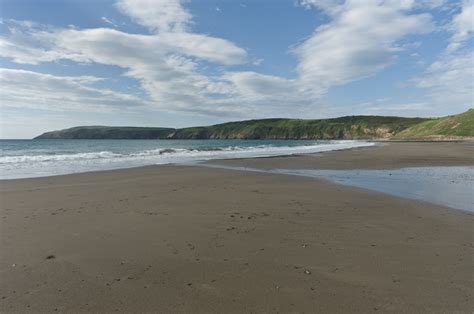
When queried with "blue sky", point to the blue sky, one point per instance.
{"points": [[182, 63]]}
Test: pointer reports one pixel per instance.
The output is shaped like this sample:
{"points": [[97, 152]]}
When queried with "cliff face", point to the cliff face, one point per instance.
{"points": [[352, 127]]}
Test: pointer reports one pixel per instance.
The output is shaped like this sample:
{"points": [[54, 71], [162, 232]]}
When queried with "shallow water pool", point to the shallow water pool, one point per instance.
{"points": [[448, 186]]}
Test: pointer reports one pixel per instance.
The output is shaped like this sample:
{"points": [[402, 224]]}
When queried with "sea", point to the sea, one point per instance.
{"points": [[39, 158]]}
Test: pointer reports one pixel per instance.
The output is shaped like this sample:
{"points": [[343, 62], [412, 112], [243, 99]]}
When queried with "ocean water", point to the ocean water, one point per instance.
{"points": [[37, 158]]}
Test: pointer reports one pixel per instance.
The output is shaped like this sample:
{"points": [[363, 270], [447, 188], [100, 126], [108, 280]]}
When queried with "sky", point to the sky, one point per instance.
{"points": [[175, 63]]}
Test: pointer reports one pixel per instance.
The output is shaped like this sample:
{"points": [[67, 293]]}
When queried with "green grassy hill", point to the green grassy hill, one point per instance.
{"points": [[108, 132], [351, 127], [461, 125], [340, 128]]}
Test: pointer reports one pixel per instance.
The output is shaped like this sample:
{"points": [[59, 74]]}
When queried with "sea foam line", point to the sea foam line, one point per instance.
{"points": [[14, 167], [207, 152]]}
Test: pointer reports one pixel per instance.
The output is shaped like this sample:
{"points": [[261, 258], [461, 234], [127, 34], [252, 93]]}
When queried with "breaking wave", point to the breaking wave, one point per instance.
{"points": [[38, 163]]}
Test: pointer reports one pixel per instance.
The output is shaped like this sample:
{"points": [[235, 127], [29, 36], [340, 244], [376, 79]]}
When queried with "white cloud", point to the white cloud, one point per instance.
{"points": [[27, 89], [166, 64], [450, 82], [329, 6], [255, 86], [205, 47], [108, 21], [358, 42], [388, 107], [26, 43], [333, 6], [157, 15], [100, 44], [462, 25]]}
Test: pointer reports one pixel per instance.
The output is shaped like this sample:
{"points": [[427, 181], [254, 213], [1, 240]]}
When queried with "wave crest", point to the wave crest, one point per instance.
{"points": [[41, 164]]}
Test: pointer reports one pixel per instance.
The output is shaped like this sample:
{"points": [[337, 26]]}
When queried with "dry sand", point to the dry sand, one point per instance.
{"points": [[192, 239]]}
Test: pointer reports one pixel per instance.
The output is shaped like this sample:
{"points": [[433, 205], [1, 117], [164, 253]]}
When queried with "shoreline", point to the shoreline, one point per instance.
{"points": [[451, 139], [386, 156], [294, 160], [193, 239], [253, 165], [452, 204], [100, 158]]}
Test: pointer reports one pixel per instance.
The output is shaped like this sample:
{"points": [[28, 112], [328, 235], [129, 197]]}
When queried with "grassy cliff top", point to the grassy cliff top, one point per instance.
{"points": [[338, 128], [460, 125], [350, 127], [108, 132]]}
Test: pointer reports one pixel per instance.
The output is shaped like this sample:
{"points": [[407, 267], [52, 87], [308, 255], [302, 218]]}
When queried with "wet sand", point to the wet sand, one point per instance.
{"points": [[383, 156], [193, 239]]}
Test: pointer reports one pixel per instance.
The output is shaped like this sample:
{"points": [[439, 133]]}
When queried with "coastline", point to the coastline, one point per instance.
{"points": [[386, 155], [193, 239], [49, 158], [438, 154]]}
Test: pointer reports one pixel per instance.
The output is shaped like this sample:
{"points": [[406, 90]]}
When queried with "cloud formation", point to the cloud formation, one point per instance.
{"points": [[450, 79], [171, 62], [358, 42], [157, 15], [462, 25], [27, 89], [108, 21]]}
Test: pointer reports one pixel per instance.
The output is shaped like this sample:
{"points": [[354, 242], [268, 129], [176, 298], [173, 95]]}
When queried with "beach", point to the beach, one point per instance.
{"points": [[384, 156], [175, 239]]}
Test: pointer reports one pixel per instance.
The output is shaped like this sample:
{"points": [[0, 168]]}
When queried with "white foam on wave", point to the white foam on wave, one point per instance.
{"points": [[59, 157], [44, 165]]}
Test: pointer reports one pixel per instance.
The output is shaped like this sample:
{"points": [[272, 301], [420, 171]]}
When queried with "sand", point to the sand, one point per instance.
{"points": [[383, 156], [192, 239]]}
